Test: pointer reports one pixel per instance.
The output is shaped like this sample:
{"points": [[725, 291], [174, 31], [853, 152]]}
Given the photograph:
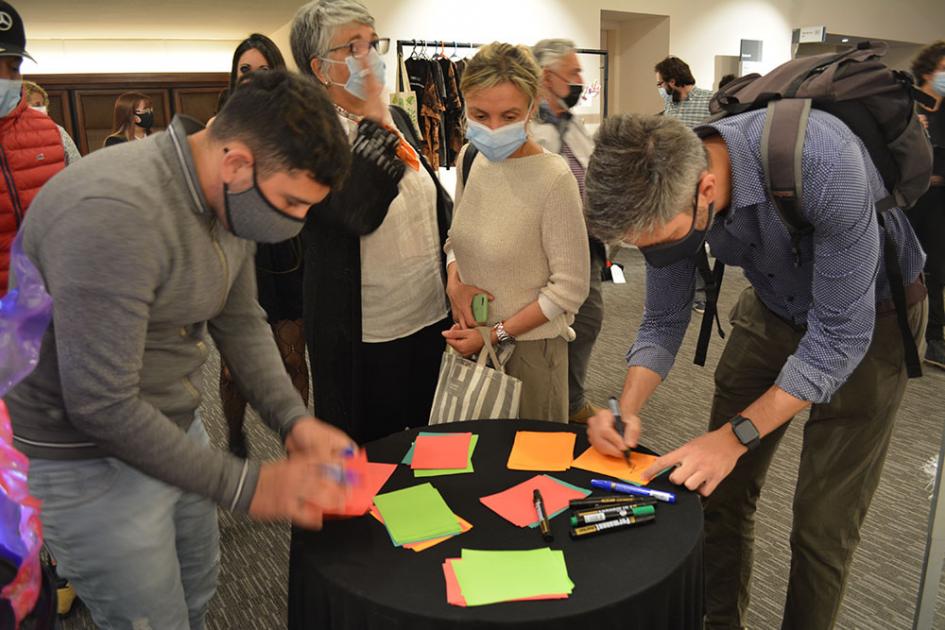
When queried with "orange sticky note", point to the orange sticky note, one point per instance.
{"points": [[426, 544], [539, 450], [371, 478], [450, 450], [594, 461]]}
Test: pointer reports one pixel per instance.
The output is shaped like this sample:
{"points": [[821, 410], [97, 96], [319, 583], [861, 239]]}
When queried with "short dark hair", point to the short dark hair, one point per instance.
{"points": [[266, 47], [289, 124], [675, 69], [927, 61], [725, 80]]}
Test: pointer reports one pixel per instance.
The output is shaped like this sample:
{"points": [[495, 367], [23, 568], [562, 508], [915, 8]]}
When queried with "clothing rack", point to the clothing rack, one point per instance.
{"points": [[444, 44]]}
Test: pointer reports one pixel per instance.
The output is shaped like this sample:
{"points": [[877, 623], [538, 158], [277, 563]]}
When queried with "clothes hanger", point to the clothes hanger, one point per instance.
{"points": [[455, 54]]}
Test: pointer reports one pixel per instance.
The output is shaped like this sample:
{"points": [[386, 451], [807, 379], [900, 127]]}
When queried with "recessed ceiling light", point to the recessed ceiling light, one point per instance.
{"points": [[844, 40]]}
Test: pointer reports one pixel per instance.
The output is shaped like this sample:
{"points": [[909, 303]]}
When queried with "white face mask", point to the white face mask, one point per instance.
{"points": [[40, 108]]}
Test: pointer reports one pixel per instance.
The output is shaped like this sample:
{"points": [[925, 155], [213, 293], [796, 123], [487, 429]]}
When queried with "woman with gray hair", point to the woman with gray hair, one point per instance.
{"points": [[374, 282], [558, 131]]}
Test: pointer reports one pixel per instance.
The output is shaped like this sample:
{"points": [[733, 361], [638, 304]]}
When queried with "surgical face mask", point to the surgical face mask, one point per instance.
{"points": [[10, 91], [251, 216], [40, 108], [357, 75], [496, 144], [938, 83], [666, 254]]}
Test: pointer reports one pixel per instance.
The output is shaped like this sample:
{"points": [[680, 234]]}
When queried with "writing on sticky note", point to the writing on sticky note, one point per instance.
{"points": [[595, 461], [449, 450], [540, 450]]}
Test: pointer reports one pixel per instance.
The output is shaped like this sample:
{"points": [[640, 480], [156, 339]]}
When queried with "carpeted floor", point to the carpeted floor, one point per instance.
{"points": [[884, 578]]}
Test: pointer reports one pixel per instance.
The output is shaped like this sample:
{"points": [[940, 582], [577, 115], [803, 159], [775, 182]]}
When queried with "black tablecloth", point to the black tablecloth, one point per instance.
{"points": [[350, 576]]}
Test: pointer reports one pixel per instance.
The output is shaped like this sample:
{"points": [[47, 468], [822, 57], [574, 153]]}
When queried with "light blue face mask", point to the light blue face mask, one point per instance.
{"points": [[496, 144], [357, 74], [938, 83], [10, 91], [663, 92]]}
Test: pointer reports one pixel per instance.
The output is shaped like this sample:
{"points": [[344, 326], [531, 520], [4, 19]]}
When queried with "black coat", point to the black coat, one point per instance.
{"points": [[332, 278]]}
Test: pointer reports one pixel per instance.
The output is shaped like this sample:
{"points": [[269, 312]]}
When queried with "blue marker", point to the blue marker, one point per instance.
{"points": [[626, 488]]}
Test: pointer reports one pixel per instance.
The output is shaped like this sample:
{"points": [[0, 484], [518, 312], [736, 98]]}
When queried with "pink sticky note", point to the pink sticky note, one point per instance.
{"points": [[450, 450], [371, 477], [517, 504]]}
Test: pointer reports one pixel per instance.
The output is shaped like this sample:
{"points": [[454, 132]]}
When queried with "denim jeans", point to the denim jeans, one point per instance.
{"points": [[141, 554]]}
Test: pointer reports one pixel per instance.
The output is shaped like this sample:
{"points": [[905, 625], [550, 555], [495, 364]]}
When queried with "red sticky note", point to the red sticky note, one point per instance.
{"points": [[450, 450], [517, 503], [370, 477]]}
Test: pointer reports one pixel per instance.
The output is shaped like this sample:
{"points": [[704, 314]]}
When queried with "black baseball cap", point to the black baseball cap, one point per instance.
{"points": [[12, 33]]}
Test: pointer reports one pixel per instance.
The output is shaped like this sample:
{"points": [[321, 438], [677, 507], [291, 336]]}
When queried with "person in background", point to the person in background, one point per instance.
{"points": [[25, 134], [38, 99], [928, 214], [518, 233], [374, 284], [558, 131], [134, 117], [278, 273], [145, 249], [690, 104], [821, 333]]}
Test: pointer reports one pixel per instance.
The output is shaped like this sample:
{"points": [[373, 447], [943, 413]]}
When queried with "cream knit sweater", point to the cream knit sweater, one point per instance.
{"points": [[518, 232]]}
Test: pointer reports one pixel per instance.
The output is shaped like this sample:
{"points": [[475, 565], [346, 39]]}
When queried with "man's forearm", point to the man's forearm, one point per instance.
{"points": [[772, 409], [639, 385]]}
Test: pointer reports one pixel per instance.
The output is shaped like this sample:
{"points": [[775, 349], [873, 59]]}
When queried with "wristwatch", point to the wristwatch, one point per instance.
{"points": [[746, 432], [501, 334]]}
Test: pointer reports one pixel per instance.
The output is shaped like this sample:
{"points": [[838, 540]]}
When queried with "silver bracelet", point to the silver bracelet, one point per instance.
{"points": [[501, 334]]}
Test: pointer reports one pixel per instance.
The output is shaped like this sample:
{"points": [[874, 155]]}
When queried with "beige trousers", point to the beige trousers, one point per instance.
{"points": [[542, 366]]}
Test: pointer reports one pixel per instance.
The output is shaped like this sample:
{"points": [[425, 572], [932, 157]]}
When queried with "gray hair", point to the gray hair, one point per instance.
{"points": [[315, 23], [643, 173], [550, 51]]}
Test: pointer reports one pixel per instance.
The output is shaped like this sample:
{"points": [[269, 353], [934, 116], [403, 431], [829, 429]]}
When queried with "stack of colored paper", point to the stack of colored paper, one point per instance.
{"points": [[426, 544], [366, 480], [416, 514], [435, 454], [490, 577], [517, 504], [594, 461], [540, 450]]}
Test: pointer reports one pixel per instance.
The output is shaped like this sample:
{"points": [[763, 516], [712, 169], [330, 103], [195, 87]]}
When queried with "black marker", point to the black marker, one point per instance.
{"points": [[586, 531], [609, 501], [618, 426], [543, 523], [609, 514]]}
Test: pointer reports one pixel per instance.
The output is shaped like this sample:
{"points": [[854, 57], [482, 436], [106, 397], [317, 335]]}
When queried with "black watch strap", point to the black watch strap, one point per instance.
{"points": [[746, 432]]}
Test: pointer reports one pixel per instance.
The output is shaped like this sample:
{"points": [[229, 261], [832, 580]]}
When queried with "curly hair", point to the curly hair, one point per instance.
{"points": [[927, 61], [674, 68]]}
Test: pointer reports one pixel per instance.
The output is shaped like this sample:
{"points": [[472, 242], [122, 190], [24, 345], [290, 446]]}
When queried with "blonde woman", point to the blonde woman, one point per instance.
{"points": [[518, 233]]}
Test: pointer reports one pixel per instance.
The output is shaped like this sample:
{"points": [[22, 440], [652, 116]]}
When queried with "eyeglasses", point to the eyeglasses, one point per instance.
{"points": [[360, 47]]}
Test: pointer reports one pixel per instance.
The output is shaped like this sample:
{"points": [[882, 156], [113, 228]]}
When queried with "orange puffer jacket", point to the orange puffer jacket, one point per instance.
{"points": [[31, 152]]}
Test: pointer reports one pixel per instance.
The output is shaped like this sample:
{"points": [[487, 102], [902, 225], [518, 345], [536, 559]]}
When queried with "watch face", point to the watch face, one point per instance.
{"points": [[745, 432]]}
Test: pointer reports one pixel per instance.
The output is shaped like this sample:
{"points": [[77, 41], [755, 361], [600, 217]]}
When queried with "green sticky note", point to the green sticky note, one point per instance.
{"points": [[489, 577], [408, 458], [415, 514]]}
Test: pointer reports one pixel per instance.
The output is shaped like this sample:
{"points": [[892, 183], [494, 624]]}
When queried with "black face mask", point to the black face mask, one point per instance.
{"points": [[666, 254], [147, 120], [574, 94]]}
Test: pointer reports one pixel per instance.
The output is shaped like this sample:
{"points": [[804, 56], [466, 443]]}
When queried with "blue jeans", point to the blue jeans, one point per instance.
{"points": [[140, 553]]}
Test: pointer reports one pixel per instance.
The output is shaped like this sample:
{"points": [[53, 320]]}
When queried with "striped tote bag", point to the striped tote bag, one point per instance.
{"points": [[472, 390]]}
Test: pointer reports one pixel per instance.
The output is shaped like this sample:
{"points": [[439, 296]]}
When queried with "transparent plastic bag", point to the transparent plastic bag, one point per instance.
{"points": [[25, 312]]}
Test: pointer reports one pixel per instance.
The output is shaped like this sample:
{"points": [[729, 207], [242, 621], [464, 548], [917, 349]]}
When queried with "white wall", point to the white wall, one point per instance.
{"points": [[79, 56]]}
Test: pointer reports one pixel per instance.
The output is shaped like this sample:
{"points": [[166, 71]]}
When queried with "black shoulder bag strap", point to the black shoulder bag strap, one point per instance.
{"points": [[468, 157], [713, 282], [897, 287]]}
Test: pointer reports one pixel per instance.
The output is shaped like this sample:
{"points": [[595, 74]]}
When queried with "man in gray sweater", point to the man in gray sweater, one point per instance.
{"points": [[145, 248]]}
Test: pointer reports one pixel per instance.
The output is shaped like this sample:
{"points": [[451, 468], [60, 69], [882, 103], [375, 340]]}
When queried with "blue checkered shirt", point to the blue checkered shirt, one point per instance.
{"points": [[841, 275]]}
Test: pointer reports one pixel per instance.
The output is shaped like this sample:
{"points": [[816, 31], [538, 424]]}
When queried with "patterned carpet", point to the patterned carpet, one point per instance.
{"points": [[884, 579]]}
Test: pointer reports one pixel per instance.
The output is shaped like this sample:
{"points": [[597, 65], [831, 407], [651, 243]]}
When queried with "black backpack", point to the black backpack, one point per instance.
{"points": [[876, 103]]}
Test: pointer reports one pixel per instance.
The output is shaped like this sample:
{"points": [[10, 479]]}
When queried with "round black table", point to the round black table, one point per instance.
{"points": [[349, 575]]}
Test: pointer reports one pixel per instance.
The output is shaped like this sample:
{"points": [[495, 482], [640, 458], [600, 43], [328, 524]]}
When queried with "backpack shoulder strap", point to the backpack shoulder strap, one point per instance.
{"points": [[468, 157], [713, 282], [782, 150]]}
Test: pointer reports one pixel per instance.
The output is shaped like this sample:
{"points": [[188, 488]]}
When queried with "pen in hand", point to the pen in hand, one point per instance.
{"points": [[618, 425]]}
